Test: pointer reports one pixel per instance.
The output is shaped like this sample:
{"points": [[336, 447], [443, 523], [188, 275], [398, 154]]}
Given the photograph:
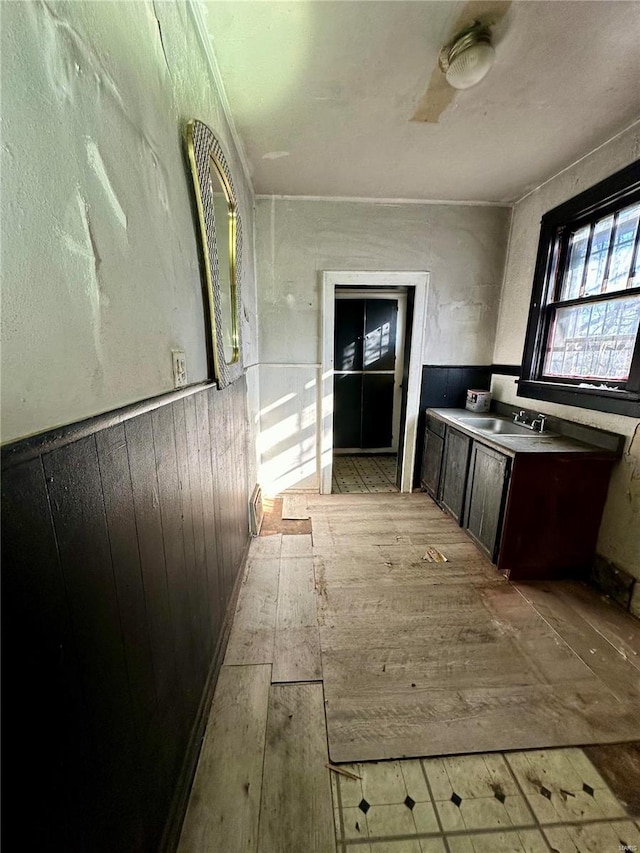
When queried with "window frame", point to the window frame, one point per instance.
{"points": [[614, 193]]}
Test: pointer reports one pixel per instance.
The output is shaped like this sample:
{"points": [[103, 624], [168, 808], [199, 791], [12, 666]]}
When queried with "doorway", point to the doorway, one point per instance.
{"points": [[369, 337], [371, 368]]}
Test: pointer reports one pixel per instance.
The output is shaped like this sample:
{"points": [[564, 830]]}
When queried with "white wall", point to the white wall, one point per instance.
{"points": [[463, 248], [101, 274], [619, 539]]}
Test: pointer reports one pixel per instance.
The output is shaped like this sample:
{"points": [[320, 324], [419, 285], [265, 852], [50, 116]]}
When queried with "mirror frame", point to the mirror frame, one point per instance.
{"points": [[202, 149]]}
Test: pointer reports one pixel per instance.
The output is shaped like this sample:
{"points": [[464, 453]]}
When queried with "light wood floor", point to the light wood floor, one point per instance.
{"points": [[351, 631], [428, 658]]}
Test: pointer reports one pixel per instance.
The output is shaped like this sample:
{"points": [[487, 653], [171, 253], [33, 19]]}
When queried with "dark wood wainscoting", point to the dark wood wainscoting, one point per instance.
{"points": [[121, 550]]}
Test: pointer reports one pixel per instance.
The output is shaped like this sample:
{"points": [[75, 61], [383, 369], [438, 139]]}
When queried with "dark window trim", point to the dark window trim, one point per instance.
{"points": [[598, 201]]}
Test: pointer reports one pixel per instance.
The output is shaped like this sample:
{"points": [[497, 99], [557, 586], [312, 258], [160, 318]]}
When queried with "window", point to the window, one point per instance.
{"points": [[583, 343]]}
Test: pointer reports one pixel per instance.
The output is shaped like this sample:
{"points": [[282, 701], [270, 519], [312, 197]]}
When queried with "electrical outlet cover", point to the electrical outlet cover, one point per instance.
{"points": [[179, 360]]}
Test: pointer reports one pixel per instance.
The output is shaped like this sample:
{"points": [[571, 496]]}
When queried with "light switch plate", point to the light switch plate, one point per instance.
{"points": [[179, 360]]}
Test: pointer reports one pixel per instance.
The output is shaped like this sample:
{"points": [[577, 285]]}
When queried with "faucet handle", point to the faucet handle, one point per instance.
{"points": [[539, 422]]}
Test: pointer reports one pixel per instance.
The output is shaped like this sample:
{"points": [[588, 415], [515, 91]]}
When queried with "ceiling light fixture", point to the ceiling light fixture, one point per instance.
{"points": [[469, 57]]}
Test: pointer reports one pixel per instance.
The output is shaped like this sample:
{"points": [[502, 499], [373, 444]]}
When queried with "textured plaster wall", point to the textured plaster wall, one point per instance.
{"points": [[619, 539], [101, 274], [463, 249]]}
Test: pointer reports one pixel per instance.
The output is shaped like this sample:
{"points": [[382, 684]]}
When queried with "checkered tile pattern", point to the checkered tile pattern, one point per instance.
{"points": [[518, 802], [364, 474]]}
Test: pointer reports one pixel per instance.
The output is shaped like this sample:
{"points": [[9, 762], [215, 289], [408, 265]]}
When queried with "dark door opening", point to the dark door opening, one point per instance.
{"points": [[368, 361], [368, 369]]}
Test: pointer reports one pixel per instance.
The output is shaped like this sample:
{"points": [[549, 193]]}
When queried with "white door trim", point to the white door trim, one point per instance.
{"points": [[330, 279]]}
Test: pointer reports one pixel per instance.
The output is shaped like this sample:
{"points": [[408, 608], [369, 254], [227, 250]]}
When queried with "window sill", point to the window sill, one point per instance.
{"points": [[616, 402]]}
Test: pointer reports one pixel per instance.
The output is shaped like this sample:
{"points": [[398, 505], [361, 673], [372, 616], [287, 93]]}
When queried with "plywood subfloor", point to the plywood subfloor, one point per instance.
{"points": [[427, 658], [276, 521]]}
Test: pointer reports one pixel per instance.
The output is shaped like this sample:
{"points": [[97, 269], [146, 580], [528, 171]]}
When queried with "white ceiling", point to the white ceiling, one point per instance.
{"points": [[322, 94]]}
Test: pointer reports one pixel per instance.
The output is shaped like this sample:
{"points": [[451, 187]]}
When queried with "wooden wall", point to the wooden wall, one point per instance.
{"points": [[122, 542]]}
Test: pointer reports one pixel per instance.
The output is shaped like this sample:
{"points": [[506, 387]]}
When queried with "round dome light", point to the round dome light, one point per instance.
{"points": [[467, 59], [470, 66]]}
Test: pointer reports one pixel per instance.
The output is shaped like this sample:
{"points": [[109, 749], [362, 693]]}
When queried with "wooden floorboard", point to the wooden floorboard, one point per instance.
{"points": [[297, 644], [424, 658], [253, 633], [296, 815], [606, 617], [224, 805], [297, 655], [606, 663]]}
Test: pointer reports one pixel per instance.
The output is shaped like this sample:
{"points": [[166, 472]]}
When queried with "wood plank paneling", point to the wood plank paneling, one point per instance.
{"points": [[296, 811], [240, 450], [196, 582], [173, 540], [80, 523], [139, 434], [123, 541], [225, 798], [37, 638], [216, 547], [205, 551], [114, 602]]}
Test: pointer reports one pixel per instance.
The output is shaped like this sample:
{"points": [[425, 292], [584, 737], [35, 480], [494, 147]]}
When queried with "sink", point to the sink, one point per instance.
{"points": [[499, 426]]}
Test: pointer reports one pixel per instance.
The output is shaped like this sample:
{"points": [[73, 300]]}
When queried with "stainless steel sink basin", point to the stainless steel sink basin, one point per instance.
{"points": [[499, 426]]}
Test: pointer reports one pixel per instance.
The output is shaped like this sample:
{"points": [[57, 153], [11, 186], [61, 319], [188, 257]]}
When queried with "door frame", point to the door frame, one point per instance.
{"points": [[419, 281]]}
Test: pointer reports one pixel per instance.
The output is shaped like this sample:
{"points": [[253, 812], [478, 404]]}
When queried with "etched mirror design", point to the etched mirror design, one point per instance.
{"points": [[221, 239]]}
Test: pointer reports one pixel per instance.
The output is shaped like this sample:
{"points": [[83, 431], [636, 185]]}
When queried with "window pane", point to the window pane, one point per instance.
{"points": [[597, 263], [623, 243], [575, 263], [593, 342]]}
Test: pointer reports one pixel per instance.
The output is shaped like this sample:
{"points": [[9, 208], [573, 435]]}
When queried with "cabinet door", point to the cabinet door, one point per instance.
{"points": [[454, 472], [431, 462], [486, 491]]}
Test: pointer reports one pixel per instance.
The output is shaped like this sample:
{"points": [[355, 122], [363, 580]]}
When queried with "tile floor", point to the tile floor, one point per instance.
{"points": [[520, 802], [361, 473]]}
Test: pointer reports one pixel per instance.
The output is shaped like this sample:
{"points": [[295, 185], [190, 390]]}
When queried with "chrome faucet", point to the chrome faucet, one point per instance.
{"points": [[536, 424]]}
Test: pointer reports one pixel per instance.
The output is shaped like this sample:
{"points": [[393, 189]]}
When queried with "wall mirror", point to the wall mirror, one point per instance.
{"points": [[221, 240]]}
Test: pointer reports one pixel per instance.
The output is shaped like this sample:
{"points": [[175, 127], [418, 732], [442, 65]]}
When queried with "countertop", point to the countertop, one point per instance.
{"points": [[511, 445]]}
